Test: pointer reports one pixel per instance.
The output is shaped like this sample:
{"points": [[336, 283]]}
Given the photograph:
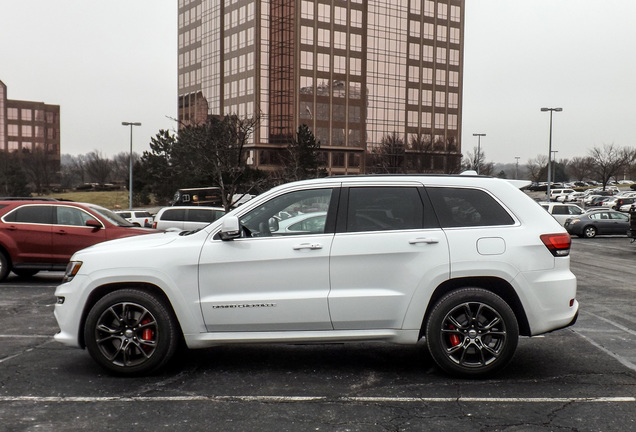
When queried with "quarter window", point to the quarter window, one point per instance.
{"points": [[464, 207]]}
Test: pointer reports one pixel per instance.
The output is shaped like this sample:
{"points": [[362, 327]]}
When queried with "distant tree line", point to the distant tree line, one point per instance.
{"points": [[216, 154]]}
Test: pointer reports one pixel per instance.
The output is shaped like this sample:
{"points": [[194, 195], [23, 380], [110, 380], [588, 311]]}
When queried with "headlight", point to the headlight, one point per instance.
{"points": [[71, 270]]}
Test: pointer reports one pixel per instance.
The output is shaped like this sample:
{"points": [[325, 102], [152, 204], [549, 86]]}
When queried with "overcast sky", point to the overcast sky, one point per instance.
{"points": [[112, 61]]}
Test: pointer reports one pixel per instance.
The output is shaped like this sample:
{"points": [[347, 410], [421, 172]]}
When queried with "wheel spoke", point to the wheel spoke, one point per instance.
{"points": [[126, 334]]}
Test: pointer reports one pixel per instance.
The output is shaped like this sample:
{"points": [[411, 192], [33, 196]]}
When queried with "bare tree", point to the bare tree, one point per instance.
{"points": [[476, 161], [537, 168], [388, 157], [609, 161], [580, 168], [98, 168]]}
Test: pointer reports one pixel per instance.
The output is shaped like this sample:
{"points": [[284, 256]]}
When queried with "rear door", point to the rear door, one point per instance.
{"points": [[30, 227], [388, 245]]}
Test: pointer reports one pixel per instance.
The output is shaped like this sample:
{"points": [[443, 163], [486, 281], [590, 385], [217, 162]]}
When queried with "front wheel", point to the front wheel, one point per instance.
{"points": [[4, 266], [131, 332], [472, 333], [589, 232]]}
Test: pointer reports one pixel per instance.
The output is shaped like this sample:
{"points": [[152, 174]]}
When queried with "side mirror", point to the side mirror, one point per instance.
{"points": [[230, 229], [93, 224]]}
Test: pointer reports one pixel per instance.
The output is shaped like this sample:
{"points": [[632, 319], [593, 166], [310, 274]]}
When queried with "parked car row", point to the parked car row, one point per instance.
{"points": [[589, 222], [38, 235], [42, 234]]}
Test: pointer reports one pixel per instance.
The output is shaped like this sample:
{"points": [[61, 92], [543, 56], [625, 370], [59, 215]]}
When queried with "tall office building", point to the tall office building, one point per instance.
{"points": [[367, 76], [31, 129]]}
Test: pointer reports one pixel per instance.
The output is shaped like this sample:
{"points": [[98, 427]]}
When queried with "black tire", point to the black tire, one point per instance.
{"points": [[589, 232], [131, 332], [25, 273], [5, 267], [472, 333]]}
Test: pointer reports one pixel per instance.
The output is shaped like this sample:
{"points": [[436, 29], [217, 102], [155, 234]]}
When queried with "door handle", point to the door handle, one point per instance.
{"points": [[308, 246], [427, 240]]}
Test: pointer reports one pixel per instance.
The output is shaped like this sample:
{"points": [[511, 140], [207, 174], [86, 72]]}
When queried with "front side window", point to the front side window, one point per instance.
{"points": [[384, 208], [299, 212], [71, 216], [465, 207]]}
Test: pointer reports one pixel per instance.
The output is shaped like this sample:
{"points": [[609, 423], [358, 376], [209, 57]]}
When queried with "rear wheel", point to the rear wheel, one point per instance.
{"points": [[472, 332], [131, 332], [589, 232]]}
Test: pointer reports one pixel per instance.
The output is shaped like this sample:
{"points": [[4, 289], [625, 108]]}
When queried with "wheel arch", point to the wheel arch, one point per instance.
{"points": [[495, 285], [103, 290]]}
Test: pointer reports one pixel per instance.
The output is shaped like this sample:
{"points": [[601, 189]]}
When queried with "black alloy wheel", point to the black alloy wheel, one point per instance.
{"points": [[472, 333], [131, 332]]}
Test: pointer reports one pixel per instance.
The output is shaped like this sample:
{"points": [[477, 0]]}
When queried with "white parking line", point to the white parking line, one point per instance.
{"points": [[615, 324], [284, 399], [622, 360]]}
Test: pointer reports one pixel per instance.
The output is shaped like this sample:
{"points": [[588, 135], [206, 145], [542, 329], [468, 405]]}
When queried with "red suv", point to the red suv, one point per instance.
{"points": [[43, 234]]}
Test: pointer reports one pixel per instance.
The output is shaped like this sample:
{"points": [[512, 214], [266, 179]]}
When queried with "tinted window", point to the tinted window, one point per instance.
{"points": [[560, 210], [142, 214], [124, 214], [176, 214], [384, 208], [31, 214], [459, 207], [200, 215]]}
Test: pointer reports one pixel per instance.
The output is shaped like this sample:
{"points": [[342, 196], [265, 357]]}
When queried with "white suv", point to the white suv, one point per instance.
{"points": [[467, 263]]}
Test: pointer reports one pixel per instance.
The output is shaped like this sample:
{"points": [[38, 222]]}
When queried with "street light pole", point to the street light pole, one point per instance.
{"points": [[550, 148], [479, 135], [554, 152], [517, 168], [130, 179]]}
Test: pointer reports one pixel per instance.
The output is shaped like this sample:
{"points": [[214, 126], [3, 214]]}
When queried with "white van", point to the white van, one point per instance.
{"points": [[186, 217], [556, 193]]}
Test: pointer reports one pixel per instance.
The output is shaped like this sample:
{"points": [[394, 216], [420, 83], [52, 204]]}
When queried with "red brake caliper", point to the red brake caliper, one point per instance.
{"points": [[454, 339], [148, 333]]}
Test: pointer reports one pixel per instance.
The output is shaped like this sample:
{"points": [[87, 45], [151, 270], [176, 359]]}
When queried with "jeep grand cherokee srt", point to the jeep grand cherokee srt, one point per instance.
{"points": [[467, 263]]}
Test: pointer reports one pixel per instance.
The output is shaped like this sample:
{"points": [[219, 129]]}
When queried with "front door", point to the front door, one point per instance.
{"points": [[273, 278]]}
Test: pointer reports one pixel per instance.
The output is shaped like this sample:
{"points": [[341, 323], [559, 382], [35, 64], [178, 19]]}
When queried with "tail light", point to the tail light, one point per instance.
{"points": [[557, 244], [154, 225]]}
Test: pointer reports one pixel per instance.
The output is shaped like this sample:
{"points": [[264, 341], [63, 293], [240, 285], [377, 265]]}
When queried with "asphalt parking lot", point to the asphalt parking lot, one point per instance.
{"points": [[578, 379]]}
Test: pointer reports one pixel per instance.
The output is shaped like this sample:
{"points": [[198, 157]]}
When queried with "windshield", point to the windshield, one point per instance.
{"points": [[111, 217]]}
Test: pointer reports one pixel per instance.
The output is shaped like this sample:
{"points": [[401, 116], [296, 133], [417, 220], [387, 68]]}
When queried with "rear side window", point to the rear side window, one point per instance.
{"points": [[201, 215], [31, 214], [465, 207], [177, 214], [384, 208]]}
